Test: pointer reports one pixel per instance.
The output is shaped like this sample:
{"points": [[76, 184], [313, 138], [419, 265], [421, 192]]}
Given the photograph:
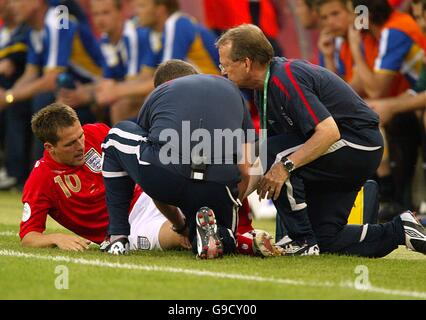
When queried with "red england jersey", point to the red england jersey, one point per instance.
{"points": [[73, 196]]}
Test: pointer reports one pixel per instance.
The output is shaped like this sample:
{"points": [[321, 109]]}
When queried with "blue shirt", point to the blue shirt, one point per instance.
{"points": [[124, 60], [301, 95], [13, 46], [73, 49], [185, 40]]}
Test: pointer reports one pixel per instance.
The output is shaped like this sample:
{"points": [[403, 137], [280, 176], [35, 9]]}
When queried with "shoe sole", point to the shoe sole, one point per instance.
{"points": [[206, 223]]}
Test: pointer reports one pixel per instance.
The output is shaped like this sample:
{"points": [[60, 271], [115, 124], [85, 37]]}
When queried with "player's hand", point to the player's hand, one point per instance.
{"points": [[71, 243], [383, 107], [7, 68], [354, 39], [272, 182], [326, 43], [74, 98], [185, 243], [106, 92]]}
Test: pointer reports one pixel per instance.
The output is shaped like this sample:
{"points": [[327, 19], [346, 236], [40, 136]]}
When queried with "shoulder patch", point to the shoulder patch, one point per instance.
{"points": [[93, 160], [26, 213]]}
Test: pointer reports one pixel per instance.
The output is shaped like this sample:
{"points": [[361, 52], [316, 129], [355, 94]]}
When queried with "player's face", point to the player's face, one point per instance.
{"points": [[105, 15], [146, 12], [234, 70], [335, 17], [69, 149], [24, 10], [308, 17], [420, 15]]}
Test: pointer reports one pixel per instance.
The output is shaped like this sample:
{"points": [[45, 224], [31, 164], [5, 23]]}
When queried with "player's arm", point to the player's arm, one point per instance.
{"points": [[109, 91], [388, 108], [30, 84], [62, 241]]}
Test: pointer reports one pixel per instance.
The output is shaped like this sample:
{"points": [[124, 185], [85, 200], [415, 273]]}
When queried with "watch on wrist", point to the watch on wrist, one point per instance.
{"points": [[288, 164]]}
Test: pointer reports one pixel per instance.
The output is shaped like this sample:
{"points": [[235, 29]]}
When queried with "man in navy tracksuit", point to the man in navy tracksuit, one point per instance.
{"points": [[323, 144], [163, 154]]}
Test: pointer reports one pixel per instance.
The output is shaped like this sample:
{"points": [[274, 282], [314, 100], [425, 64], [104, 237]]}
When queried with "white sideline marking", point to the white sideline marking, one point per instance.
{"points": [[106, 264], [8, 234]]}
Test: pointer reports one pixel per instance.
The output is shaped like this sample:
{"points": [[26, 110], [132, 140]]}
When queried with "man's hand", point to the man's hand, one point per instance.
{"points": [[106, 92], [7, 68], [71, 242], [383, 107], [75, 98], [355, 40], [272, 182], [326, 43]]}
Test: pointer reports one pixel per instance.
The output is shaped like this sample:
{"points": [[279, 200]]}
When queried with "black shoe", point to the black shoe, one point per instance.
{"points": [[299, 248], [415, 234], [118, 247], [209, 245]]}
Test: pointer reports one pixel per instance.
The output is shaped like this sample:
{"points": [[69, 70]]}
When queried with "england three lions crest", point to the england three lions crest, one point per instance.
{"points": [[93, 160]]}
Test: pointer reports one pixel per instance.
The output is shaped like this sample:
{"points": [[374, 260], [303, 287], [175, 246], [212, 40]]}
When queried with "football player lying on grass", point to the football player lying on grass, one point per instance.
{"points": [[67, 184]]}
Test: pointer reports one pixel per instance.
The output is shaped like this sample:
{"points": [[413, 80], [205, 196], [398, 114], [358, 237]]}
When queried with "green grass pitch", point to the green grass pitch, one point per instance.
{"points": [[53, 274]]}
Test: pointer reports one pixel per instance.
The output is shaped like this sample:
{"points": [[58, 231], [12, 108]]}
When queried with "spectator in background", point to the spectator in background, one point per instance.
{"points": [[396, 69], [336, 19], [123, 45], [16, 126], [56, 45], [307, 14], [172, 35], [221, 15], [412, 99]]}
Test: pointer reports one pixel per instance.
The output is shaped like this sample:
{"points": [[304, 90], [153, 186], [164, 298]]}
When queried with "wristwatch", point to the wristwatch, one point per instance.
{"points": [[9, 98], [288, 164]]}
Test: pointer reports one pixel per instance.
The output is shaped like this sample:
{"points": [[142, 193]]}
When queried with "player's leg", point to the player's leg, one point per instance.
{"points": [[330, 205], [150, 229], [208, 226], [291, 204], [121, 169]]}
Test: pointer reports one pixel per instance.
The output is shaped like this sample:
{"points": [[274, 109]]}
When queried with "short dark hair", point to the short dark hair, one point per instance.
{"points": [[172, 69], [310, 3], [379, 10], [248, 41], [46, 123], [318, 3], [171, 5]]}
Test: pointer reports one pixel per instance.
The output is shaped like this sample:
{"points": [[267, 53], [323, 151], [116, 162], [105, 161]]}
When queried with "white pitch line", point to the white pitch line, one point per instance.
{"points": [[8, 234], [233, 276]]}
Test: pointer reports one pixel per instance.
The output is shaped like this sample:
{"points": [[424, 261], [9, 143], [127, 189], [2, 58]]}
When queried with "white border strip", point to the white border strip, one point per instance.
{"points": [[194, 272]]}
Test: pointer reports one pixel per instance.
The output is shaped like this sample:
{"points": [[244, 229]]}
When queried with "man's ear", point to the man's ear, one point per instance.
{"points": [[248, 63], [48, 147]]}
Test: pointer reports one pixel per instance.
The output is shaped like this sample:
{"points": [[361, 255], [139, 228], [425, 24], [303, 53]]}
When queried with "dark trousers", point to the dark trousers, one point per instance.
{"points": [[18, 141], [122, 168], [316, 201]]}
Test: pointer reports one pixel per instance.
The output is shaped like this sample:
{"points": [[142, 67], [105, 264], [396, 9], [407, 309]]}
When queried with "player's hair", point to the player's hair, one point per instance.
{"points": [[379, 10], [118, 4], [47, 121], [318, 3], [171, 5], [309, 3], [172, 69], [247, 41]]}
